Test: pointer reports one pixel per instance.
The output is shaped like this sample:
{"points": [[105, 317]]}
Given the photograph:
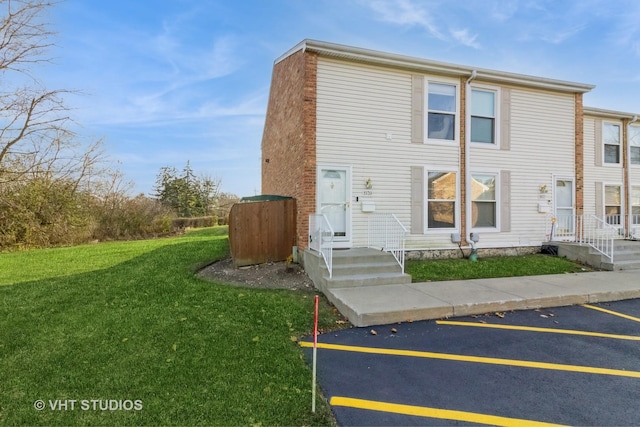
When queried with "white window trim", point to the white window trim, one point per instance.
{"points": [[604, 144], [633, 165], [456, 123], [631, 205], [606, 184], [554, 194], [457, 201], [497, 228], [497, 109]]}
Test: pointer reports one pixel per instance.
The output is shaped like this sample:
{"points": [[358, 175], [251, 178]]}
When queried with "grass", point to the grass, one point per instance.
{"points": [[461, 269], [130, 321]]}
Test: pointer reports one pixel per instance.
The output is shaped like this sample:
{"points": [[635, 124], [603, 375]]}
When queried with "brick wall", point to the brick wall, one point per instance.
{"points": [[579, 153], [463, 161], [288, 141]]}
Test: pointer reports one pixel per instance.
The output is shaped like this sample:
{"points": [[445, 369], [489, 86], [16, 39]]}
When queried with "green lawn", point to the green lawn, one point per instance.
{"points": [[129, 321], [460, 269]]}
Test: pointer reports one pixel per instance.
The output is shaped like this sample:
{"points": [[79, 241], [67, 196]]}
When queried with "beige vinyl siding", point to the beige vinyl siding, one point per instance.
{"points": [[364, 116], [357, 106], [541, 146], [594, 175], [634, 169]]}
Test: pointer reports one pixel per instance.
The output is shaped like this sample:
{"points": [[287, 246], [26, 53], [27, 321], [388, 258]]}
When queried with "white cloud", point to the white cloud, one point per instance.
{"points": [[465, 38], [503, 11], [404, 12], [626, 28], [561, 36]]}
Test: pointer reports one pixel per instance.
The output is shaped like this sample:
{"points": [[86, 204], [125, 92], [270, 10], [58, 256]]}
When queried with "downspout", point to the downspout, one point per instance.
{"points": [[467, 144], [626, 179]]}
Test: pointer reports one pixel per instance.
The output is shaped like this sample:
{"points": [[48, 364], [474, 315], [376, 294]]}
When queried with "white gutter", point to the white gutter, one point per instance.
{"points": [[467, 145], [609, 114], [626, 171], [430, 66]]}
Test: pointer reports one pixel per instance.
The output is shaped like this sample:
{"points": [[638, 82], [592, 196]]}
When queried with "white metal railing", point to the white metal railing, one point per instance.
{"points": [[634, 226], [587, 230], [321, 239], [387, 233]]}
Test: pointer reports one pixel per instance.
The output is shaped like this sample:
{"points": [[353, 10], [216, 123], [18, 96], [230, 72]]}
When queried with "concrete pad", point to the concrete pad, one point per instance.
{"points": [[599, 280], [469, 297], [370, 305], [386, 304], [536, 293]]}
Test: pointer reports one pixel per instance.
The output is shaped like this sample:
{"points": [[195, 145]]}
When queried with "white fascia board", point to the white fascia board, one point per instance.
{"points": [[608, 114], [429, 66]]}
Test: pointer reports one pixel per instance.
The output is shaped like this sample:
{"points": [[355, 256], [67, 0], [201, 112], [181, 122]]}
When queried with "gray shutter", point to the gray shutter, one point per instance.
{"points": [[417, 200], [598, 148], [505, 119], [599, 200], [505, 201], [417, 109]]}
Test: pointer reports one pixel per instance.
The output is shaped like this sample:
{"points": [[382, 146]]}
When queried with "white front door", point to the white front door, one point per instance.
{"points": [[334, 200], [564, 207]]}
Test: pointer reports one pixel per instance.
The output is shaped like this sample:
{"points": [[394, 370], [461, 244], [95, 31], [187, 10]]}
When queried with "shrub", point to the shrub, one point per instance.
{"points": [[120, 217], [195, 222], [42, 212]]}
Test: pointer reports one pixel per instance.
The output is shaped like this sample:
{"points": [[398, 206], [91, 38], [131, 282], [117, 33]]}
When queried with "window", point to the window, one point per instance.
{"points": [[483, 116], [634, 145], [612, 204], [635, 205], [441, 199], [483, 201], [611, 139], [441, 117]]}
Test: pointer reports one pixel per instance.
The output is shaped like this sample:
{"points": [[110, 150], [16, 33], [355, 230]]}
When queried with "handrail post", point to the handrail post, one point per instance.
{"points": [[387, 233], [321, 239]]}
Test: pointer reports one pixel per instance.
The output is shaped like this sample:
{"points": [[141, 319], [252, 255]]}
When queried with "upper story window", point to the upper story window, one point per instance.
{"points": [[442, 108], [483, 116], [611, 141], [634, 145]]}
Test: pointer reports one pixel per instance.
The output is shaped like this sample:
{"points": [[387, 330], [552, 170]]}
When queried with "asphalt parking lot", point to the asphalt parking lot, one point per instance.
{"points": [[575, 365]]}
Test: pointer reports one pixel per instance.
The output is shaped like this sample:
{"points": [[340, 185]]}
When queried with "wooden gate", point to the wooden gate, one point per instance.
{"points": [[262, 231]]}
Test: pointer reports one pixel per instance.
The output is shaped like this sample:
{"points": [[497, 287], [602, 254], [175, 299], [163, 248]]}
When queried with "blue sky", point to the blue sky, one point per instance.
{"points": [[170, 81]]}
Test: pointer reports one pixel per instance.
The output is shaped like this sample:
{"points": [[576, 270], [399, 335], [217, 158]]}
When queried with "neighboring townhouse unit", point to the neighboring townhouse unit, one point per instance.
{"points": [[446, 151], [612, 169]]}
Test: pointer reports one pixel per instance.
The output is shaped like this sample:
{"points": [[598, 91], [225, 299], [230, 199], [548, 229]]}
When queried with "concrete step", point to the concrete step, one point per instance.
{"points": [[621, 265], [626, 255], [375, 279], [360, 255], [384, 266]]}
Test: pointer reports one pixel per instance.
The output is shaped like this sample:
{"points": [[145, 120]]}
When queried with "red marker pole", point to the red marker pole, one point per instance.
{"points": [[315, 350]]}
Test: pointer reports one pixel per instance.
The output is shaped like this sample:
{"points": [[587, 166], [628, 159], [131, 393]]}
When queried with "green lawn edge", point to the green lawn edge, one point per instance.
{"points": [[138, 325]]}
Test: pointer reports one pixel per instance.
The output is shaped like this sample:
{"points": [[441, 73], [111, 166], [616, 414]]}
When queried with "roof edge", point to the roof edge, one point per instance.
{"points": [[609, 114], [426, 65]]}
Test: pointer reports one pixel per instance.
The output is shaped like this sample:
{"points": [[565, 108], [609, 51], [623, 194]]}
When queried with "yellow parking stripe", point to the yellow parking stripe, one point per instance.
{"points": [[625, 316], [534, 329], [443, 414], [476, 359]]}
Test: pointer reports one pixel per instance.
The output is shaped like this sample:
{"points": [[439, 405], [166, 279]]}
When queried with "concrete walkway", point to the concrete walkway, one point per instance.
{"points": [[386, 304]]}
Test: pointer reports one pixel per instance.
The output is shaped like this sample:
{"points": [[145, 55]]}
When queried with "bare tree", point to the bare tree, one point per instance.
{"points": [[35, 135]]}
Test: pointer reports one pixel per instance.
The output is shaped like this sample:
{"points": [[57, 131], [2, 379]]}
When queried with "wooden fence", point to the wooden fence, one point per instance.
{"points": [[262, 231]]}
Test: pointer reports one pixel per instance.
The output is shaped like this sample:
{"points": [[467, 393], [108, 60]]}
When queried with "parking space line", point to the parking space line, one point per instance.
{"points": [[422, 411], [477, 359], [615, 313], [535, 329]]}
